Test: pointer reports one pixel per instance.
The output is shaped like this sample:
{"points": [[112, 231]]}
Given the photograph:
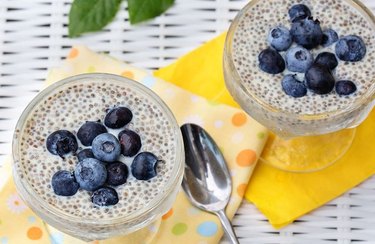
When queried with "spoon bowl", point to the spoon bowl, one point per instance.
{"points": [[207, 181]]}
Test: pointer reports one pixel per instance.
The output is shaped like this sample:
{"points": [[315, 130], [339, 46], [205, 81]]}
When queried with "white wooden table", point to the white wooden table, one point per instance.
{"points": [[33, 38]]}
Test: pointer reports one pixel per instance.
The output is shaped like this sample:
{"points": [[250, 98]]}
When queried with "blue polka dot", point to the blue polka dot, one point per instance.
{"points": [[207, 229], [4, 240], [56, 238], [149, 81], [31, 219]]}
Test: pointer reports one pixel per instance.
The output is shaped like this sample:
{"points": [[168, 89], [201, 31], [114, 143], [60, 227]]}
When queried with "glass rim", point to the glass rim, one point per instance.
{"points": [[176, 172], [228, 58]]}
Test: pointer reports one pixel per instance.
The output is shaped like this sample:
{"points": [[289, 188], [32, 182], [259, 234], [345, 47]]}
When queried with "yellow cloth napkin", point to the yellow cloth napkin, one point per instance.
{"points": [[281, 196], [240, 138]]}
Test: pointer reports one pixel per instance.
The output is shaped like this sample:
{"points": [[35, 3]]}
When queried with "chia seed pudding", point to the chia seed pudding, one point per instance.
{"points": [[68, 106], [261, 94]]}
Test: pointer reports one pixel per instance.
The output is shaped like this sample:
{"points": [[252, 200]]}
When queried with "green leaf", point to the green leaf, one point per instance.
{"points": [[91, 15], [141, 10]]}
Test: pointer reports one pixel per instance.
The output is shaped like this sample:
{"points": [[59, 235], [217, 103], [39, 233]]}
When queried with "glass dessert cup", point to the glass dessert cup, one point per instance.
{"points": [[298, 142], [93, 228]]}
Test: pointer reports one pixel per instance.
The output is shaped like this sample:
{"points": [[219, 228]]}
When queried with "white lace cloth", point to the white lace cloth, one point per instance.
{"points": [[33, 38]]}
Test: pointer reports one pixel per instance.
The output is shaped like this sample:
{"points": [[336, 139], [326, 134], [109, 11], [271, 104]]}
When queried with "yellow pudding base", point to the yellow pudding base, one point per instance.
{"points": [[307, 153]]}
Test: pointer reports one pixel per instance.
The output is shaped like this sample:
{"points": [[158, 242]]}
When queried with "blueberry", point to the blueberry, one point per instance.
{"points": [[106, 147], [345, 87], [327, 59], [144, 166], [307, 33], [329, 37], [89, 131], [85, 153], [118, 117], [270, 61], [105, 196], [130, 142], [64, 183], [117, 173], [61, 142], [351, 48], [299, 12], [280, 38], [293, 87], [299, 59], [90, 174], [319, 79]]}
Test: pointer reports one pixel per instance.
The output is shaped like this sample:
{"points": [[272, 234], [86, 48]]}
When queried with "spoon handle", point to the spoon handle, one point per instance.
{"points": [[227, 226]]}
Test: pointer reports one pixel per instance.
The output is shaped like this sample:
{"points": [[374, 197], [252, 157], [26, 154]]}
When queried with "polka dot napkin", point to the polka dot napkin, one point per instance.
{"points": [[240, 138]]}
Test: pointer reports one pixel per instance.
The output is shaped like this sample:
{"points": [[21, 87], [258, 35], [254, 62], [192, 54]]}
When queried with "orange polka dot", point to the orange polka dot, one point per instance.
{"points": [[16, 203], [73, 53], [34, 233], [239, 119], [128, 74], [95, 242], [246, 158], [168, 214], [241, 189]]}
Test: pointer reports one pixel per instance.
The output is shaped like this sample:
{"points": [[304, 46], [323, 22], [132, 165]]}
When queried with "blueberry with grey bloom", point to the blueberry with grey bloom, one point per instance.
{"points": [[307, 33], [61, 142], [345, 87], [85, 153], [64, 183], [293, 87], [118, 117], [351, 48], [329, 37], [270, 61], [327, 59], [299, 12], [144, 166], [106, 147], [298, 59], [90, 174], [280, 38], [88, 131], [105, 196], [319, 79]]}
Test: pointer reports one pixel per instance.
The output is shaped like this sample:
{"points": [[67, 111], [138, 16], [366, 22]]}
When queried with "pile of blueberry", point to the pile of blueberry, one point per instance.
{"points": [[307, 34], [98, 169]]}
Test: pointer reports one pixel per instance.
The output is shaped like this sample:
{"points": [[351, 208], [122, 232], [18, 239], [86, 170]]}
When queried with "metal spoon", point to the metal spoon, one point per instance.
{"points": [[206, 181]]}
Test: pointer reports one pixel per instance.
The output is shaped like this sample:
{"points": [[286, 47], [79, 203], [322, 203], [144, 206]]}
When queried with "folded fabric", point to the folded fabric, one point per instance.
{"points": [[240, 138], [281, 196]]}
